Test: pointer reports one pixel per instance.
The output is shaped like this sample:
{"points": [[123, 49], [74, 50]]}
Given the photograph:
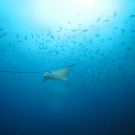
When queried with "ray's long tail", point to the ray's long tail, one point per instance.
{"points": [[22, 72]]}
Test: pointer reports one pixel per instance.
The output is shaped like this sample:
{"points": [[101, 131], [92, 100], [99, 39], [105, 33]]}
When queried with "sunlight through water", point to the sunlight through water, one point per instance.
{"points": [[86, 3]]}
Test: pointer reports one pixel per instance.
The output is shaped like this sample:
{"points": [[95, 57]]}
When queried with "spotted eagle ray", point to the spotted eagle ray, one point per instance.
{"points": [[58, 74]]}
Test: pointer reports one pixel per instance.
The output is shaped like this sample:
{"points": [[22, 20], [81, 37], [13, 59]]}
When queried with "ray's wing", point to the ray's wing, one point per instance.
{"points": [[60, 74], [62, 71], [45, 78]]}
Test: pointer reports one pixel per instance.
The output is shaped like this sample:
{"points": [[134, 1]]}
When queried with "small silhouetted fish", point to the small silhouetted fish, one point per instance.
{"points": [[60, 28], [98, 20], [106, 20], [1, 29], [44, 47], [115, 28], [132, 16], [69, 22], [97, 35], [73, 30], [20, 78], [42, 59], [122, 31], [109, 39], [1, 35], [48, 34], [114, 14], [78, 15], [19, 41], [85, 30], [122, 43], [3, 50], [129, 49], [17, 35], [16, 67], [51, 36]]}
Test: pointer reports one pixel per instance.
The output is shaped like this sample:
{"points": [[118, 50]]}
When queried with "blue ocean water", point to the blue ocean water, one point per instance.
{"points": [[44, 35]]}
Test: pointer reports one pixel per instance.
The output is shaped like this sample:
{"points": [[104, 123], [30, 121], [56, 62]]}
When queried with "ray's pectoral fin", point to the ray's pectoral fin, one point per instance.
{"points": [[64, 78], [59, 74]]}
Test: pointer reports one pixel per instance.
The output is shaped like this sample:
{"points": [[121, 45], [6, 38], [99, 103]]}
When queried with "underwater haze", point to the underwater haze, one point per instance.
{"points": [[97, 37]]}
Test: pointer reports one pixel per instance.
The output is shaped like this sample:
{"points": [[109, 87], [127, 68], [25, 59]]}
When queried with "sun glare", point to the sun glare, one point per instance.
{"points": [[86, 3]]}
